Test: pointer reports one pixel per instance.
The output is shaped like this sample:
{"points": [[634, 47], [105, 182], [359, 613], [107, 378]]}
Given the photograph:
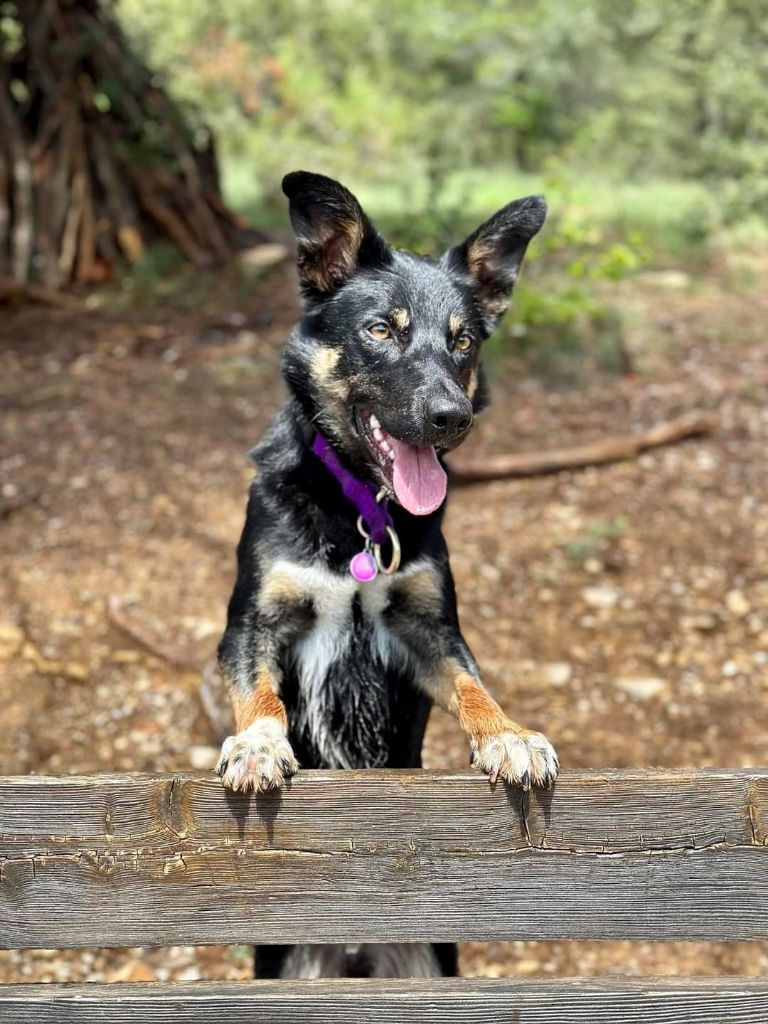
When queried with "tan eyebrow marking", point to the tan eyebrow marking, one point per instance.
{"points": [[400, 318], [455, 323]]}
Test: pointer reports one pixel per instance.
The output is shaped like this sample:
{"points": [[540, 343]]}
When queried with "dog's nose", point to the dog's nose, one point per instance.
{"points": [[448, 417]]}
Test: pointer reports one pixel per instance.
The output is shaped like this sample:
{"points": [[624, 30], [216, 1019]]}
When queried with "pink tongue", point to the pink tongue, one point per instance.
{"points": [[419, 480]]}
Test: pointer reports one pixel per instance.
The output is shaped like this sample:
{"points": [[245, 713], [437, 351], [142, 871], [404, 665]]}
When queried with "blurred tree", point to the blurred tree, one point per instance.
{"points": [[623, 87], [95, 159]]}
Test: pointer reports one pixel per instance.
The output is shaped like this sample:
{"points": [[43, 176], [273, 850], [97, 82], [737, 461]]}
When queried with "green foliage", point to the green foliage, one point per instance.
{"points": [[375, 90], [11, 32], [644, 123], [595, 538]]}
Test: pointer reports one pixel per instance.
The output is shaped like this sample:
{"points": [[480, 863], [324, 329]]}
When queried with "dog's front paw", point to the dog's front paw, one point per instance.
{"points": [[520, 756], [258, 758]]}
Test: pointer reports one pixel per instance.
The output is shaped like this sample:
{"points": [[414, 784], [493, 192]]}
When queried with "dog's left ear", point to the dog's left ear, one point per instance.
{"points": [[333, 233], [489, 260]]}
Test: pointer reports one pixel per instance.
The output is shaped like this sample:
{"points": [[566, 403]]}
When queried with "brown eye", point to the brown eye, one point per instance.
{"points": [[463, 343], [380, 331]]}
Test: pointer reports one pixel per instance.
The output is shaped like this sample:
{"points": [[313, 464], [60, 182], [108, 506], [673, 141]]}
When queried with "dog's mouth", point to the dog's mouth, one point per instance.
{"points": [[412, 472]]}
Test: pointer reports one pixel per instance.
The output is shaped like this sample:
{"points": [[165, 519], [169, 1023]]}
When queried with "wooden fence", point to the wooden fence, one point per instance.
{"points": [[378, 856]]}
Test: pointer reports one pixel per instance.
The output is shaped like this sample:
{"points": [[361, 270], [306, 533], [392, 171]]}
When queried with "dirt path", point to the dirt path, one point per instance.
{"points": [[624, 610]]}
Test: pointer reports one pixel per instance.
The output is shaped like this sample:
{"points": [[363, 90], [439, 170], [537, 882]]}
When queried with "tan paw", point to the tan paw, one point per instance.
{"points": [[521, 757], [257, 759]]}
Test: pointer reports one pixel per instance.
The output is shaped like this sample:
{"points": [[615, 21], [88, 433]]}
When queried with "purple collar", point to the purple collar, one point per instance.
{"points": [[362, 493]]}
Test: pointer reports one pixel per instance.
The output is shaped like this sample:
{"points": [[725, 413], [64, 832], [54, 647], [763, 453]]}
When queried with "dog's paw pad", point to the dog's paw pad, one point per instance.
{"points": [[521, 757], [257, 759]]}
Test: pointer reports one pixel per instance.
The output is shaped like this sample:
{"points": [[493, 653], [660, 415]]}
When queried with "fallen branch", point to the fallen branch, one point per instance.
{"points": [[11, 292], [596, 453], [117, 615]]}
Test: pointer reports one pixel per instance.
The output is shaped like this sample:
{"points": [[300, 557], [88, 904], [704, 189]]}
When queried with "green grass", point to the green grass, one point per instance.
{"points": [[672, 217]]}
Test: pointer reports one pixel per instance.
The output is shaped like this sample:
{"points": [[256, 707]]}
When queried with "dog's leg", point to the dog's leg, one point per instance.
{"points": [[258, 757], [423, 615], [499, 746]]}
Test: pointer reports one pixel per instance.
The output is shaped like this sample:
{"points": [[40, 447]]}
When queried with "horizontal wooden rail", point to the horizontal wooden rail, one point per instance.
{"points": [[120, 860], [531, 1001]]}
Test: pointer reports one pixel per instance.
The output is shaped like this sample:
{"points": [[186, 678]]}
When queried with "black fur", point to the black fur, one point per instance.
{"points": [[424, 384]]}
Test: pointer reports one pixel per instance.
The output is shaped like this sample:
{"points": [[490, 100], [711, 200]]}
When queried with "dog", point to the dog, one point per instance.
{"points": [[342, 628]]}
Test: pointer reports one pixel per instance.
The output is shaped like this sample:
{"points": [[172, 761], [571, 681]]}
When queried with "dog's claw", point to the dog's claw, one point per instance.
{"points": [[257, 759], [519, 756]]}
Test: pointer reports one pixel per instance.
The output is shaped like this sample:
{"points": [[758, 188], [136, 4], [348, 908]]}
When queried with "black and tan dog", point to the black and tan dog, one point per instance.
{"points": [[326, 670]]}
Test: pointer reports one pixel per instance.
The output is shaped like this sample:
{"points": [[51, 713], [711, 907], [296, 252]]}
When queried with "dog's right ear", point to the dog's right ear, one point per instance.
{"points": [[333, 233]]}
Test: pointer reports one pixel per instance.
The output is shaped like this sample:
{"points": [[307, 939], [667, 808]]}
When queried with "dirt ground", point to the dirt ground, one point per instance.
{"points": [[623, 610]]}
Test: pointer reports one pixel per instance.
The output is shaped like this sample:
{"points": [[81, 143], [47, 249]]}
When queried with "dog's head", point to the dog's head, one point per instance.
{"points": [[386, 361]]}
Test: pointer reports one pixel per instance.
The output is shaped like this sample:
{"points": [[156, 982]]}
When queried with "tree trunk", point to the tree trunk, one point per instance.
{"points": [[96, 161]]}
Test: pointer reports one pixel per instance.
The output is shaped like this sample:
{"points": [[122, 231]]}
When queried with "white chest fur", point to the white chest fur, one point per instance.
{"points": [[332, 595]]}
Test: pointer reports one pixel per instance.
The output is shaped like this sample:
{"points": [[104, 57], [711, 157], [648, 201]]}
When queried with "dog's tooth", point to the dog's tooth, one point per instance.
{"points": [[375, 425], [378, 433], [385, 446], [391, 456]]}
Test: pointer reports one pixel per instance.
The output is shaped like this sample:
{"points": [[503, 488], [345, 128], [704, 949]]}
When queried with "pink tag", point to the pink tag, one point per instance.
{"points": [[363, 567]]}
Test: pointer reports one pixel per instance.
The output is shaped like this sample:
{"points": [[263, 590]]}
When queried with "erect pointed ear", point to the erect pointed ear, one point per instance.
{"points": [[490, 258], [334, 234]]}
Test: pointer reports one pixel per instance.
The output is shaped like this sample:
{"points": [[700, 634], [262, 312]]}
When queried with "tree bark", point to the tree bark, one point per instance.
{"points": [[96, 161]]}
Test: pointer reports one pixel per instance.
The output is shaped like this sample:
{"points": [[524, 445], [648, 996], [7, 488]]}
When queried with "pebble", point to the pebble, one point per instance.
{"points": [[202, 758], [558, 673], [11, 639], [702, 623], [642, 688], [737, 604], [601, 597]]}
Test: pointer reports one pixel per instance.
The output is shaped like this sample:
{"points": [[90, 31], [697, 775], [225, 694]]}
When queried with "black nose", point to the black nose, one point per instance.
{"points": [[448, 417]]}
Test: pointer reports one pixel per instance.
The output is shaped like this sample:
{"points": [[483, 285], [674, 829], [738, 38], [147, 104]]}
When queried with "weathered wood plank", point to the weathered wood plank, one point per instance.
{"points": [[382, 856], [590, 811], [531, 1001]]}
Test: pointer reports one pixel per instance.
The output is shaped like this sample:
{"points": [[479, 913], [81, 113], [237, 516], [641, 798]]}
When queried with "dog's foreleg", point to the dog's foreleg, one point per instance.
{"points": [[423, 615], [258, 757], [499, 746]]}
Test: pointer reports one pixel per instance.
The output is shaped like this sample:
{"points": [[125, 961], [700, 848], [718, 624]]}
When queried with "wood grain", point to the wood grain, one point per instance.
{"points": [[382, 856], [531, 1001]]}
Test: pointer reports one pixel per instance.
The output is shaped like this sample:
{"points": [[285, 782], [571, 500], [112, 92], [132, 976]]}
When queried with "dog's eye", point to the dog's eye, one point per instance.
{"points": [[464, 343], [380, 331]]}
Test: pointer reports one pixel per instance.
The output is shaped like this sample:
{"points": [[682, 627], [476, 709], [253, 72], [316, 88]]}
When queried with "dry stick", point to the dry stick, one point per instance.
{"points": [[12, 291], [45, 136], [207, 227], [167, 219], [23, 235], [233, 219], [193, 213], [610, 449], [175, 656], [47, 264], [86, 248], [44, 155], [118, 201], [123, 216], [5, 212], [68, 251], [60, 179]]}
